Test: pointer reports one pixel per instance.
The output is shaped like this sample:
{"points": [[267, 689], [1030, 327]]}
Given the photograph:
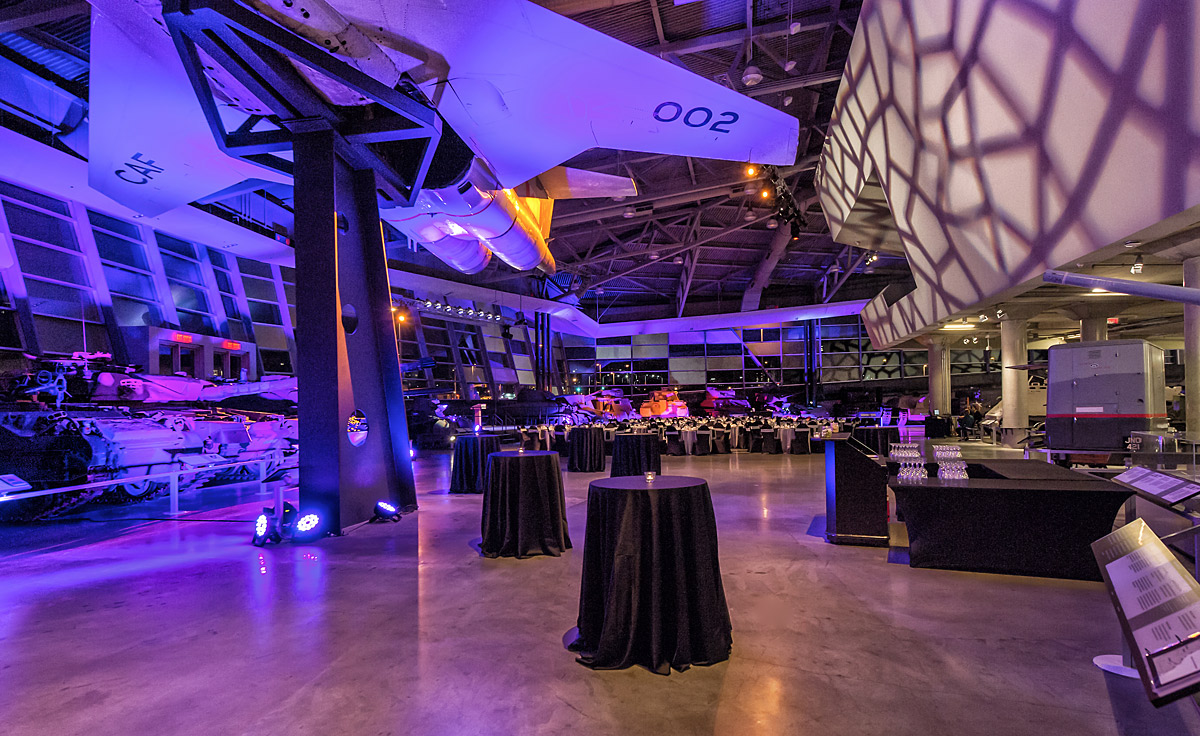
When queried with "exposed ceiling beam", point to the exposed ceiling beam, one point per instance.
{"points": [[807, 80], [682, 196], [669, 254], [35, 12], [738, 36]]}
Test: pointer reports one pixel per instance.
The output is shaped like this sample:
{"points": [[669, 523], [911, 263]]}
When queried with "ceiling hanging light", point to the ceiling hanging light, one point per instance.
{"points": [[751, 170], [787, 101], [752, 76], [628, 212], [772, 224], [678, 260], [789, 65], [748, 217], [655, 256]]}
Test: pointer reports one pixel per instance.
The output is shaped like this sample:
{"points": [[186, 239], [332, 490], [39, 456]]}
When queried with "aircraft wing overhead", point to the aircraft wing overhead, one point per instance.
{"points": [[149, 145], [527, 88]]}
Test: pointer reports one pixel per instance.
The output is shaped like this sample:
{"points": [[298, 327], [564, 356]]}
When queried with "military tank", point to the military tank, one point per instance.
{"points": [[85, 421]]}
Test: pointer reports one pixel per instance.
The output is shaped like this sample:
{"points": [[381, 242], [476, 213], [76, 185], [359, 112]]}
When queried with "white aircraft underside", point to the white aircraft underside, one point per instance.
{"points": [[524, 87]]}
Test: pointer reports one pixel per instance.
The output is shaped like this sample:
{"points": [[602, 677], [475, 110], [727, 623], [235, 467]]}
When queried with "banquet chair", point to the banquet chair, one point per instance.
{"points": [[610, 434], [675, 443], [802, 441], [885, 417], [560, 439], [753, 439], [530, 439], [770, 442], [720, 439], [703, 442]]}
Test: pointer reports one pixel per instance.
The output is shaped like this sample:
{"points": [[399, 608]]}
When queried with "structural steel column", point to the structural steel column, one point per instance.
{"points": [[1191, 351], [939, 374], [1093, 329], [1014, 383], [347, 357]]}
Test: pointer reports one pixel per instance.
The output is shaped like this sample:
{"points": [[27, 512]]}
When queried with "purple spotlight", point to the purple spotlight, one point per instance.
{"points": [[385, 511]]}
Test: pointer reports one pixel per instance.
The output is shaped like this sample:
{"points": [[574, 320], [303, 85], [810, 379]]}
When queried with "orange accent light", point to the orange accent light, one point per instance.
{"points": [[180, 337], [231, 345]]}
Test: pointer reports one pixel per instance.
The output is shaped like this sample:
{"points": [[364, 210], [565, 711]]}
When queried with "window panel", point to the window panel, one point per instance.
{"points": [[198, 323], [112, 224], [27, 223], [131, 313], [217, 258], [175, 245], [276, 361], [129, 283], [259, 289], [52, 264], [254, 268], [224, 282], [121, 251], [55, 300], [265, 313], [35, 199], [181, 270], [187, 297]]}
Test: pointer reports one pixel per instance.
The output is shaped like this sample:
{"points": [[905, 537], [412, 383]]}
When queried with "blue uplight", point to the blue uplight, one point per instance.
{"points": [[307, 523], [260, 525], [384, 505]]}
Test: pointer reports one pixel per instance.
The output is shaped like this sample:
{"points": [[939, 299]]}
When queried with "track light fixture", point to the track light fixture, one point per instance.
{"points": [[1136, 268]]}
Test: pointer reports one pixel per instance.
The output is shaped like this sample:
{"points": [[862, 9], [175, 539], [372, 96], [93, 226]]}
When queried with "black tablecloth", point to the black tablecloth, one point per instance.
{"points": [[651, 592], [938, 427], [1023, 517], [635, 454], [468, 463], [524, 511], [586, 450], [879, 439]]}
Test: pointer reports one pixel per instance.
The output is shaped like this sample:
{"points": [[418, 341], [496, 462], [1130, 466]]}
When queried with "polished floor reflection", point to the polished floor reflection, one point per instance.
{"points": [[184, 628]]}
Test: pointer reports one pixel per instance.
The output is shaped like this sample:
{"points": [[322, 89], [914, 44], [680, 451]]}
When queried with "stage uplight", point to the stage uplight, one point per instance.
{"points": [[385, 511], [308, 528]]}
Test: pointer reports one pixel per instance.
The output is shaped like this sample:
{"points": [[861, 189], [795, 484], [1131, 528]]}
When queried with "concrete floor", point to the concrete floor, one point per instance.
{"points": [[185, 628]]}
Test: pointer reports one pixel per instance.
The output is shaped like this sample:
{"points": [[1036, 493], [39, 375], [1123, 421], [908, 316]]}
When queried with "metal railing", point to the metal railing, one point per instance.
{"points": [[172, 477]]}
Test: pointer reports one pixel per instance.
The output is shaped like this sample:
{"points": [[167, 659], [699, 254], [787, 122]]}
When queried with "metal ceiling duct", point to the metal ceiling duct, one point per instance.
{"points": [[1149, 290]]}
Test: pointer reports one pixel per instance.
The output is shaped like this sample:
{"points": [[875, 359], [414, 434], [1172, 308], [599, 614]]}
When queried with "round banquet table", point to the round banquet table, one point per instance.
{"points": [[524, 511], [651, 593], [689, 440], [635, 454], [586, 450], [468, 462]]}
